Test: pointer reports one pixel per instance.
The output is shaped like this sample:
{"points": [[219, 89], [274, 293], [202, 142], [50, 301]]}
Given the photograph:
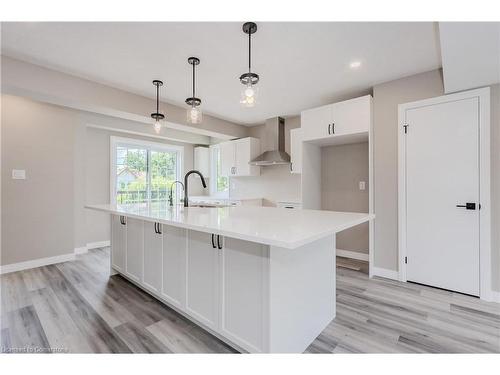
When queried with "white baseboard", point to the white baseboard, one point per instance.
{"points": [[384, 272], [352, 254], [35, 263], [81, 250], [95, 245], [494, 296]]}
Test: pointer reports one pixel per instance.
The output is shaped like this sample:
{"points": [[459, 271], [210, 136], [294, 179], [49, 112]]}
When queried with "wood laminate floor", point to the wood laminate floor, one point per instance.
{"points": [[76, 307]]}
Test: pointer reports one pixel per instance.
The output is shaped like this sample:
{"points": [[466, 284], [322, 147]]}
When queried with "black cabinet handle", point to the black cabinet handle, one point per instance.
{"points": [[333, 128], [157, 228], [467, 206], [122, 220], [218, 242], [329, 130], [213, 242]]}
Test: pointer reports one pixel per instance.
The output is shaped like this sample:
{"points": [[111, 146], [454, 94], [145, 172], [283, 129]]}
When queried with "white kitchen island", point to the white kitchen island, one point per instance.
{"points": [[262, 279]]}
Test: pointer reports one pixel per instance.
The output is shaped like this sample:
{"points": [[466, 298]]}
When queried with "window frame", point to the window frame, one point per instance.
{"points": [[213, 175], [149, 146]]}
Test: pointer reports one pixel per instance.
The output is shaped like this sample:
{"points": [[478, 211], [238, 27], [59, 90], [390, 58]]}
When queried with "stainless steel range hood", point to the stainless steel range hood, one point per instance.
{"points": [[274, 144]]}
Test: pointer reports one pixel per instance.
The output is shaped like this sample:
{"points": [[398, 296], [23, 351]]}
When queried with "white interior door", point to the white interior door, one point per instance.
{"points": [[442, 173]]}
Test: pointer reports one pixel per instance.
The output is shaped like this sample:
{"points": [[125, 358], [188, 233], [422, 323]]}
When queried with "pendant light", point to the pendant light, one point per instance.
{"points": [[194, 115], [157, 116], [249, 80]]}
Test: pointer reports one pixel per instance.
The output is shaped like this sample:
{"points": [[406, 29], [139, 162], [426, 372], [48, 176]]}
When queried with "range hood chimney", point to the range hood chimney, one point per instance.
{"points": [[274, 144]]}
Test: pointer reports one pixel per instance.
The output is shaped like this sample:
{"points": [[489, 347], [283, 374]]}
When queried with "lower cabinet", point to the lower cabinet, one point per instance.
{"points": [[135, 247], [244, 280], [174, 265], [118, 242], [220, 282], [153, 249], [202, 267]]}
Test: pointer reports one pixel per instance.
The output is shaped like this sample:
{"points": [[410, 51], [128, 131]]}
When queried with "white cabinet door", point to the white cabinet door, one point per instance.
{"points": [[243, 292], [135, 244], [316, 122], [174, 265], [245, 150], [351, 116], [202, 297], [152, 256], [202, 160], [227, 158], [118, 242], [296, 150]]}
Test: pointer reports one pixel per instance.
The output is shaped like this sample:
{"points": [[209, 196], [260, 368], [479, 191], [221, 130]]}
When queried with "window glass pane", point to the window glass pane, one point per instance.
{"points": [[163, 174], [144, 175], [131, 175]]}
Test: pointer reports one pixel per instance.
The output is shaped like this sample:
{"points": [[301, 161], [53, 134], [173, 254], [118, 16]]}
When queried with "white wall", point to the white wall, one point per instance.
{"points": [[38, 212]]}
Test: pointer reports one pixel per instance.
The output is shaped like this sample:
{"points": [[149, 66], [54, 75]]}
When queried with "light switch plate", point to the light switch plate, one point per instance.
{"points": [[362, 185], [18, 174]]}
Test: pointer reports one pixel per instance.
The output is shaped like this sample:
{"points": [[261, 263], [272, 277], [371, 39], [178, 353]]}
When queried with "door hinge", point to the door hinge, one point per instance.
{"points": [[406, 260], [405, 126]]}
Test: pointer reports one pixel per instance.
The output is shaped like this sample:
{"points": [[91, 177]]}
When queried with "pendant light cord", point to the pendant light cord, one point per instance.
{"points": [[193, 83], [249, 52], [157, 98]]}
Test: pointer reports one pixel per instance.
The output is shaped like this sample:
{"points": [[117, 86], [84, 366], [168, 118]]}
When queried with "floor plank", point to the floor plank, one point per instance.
{"points": [[76, 307]]}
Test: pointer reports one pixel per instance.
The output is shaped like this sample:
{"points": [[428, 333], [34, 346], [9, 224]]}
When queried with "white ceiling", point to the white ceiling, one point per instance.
{"points": [[301, 65], [470, 47]]}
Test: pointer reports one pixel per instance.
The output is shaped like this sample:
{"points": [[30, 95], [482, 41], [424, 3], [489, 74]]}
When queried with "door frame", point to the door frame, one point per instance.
{"points": [[483, 96]]}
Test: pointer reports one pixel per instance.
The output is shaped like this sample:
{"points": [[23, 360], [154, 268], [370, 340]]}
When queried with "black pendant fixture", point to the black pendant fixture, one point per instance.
{"points": [[194, 114], [157, 116], [249, 80]]}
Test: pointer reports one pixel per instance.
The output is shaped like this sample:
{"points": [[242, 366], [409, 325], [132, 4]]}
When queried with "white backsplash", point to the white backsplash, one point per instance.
{"points": [[275, 183]]}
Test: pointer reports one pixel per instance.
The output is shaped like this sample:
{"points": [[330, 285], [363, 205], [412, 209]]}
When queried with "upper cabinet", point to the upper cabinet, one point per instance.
{"points": [[235, 156], [339, 119], [202, 160]]}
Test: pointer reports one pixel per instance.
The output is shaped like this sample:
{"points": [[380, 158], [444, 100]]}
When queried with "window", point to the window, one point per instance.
{"points": [[219, 184], [142, 172]]}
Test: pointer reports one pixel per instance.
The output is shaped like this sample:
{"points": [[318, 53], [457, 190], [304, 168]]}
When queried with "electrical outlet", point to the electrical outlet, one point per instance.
{"points": [[18, 174], [362, 185]]}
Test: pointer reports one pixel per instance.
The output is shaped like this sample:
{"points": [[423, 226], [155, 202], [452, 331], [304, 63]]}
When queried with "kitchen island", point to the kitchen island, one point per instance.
{"points": [[262, 279]]}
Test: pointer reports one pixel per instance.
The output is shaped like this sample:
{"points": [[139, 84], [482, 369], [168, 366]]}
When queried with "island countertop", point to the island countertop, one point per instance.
{"points": [[267, 225]]}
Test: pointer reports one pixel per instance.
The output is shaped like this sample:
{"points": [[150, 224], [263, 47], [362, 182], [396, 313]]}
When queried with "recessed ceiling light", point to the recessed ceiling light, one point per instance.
{"points": [[355, 64]]}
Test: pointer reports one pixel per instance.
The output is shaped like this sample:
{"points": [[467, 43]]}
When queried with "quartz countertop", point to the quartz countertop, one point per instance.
{"points": [[267, 225]]}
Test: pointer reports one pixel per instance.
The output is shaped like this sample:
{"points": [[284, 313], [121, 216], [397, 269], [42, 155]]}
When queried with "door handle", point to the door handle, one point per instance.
{"points": [[219, 246], [333, 128], [213, 242], [329, 130], [467, 206], [122, 220]]}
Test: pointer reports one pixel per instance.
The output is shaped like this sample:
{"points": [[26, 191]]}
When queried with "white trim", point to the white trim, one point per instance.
{"points": [[384, 272], [494, 296], [353, 255], [483, 96], [36, 263], [98, 244], [213, 173], [148, 145], [81, 250]]}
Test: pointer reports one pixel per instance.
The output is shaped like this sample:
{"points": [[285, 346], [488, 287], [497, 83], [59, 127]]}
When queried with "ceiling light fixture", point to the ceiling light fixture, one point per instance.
{"points": [[157, 116], [355, 64], [250, 91], [194, 115]]}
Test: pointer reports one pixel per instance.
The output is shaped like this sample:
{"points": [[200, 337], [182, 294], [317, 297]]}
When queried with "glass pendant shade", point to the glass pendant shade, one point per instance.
{"points": [[194, 115], [249, 94], [157, 126]]}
